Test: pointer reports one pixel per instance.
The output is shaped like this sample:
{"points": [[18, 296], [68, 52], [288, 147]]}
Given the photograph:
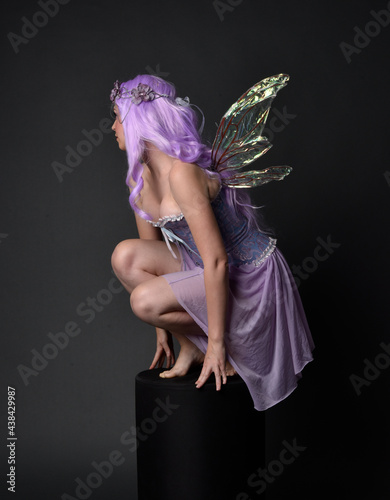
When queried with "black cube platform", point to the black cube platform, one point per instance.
{"points": [[196, 444]]}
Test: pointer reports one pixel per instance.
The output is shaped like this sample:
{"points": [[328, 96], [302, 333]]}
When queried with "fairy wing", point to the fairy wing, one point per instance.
{"points": [[239, 139]]}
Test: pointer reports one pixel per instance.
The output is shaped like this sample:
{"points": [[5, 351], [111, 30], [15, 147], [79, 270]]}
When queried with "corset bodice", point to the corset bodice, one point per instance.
{"points": [[243, 244]]}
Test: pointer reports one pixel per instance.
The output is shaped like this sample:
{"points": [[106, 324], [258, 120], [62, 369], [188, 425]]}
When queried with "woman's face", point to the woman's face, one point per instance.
{"points": [[117, 127]]}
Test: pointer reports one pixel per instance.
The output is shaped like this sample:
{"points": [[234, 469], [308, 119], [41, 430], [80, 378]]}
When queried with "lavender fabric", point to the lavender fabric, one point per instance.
{"points": [[268, 340]]}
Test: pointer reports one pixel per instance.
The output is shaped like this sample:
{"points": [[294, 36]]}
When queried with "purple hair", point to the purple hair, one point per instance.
{"points": [[172, 128]]}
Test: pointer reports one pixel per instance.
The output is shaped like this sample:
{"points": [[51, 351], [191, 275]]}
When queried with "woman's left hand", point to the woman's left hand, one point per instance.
{"points": [[164, 350], [214, 362]]}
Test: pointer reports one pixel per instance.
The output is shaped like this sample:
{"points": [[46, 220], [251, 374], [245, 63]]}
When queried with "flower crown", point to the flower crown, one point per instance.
{"points": [[142, 93]]}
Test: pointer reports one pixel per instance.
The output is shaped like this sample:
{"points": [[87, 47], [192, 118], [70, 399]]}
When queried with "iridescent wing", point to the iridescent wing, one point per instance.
{"points": [[256, 177], [239, 139]]}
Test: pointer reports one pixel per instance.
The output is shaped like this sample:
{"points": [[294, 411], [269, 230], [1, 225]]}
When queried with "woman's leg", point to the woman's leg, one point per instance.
{"points": [[136, 261], [139, 265], [155, 303]]}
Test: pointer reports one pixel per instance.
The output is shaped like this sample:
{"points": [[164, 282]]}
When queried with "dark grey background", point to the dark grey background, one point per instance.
{"points": [[56, 238]]}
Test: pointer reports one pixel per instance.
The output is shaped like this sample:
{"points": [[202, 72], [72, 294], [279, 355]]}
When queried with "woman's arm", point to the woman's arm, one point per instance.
{"points": [[145, 229], [189, 187], [164, 348]]}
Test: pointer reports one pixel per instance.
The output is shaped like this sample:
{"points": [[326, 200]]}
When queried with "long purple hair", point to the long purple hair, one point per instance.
{"points": [[172, 128]]}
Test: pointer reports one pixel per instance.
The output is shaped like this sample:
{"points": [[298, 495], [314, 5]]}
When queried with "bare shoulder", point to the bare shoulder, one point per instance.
{"points": [[189, 177], [182, 172]]}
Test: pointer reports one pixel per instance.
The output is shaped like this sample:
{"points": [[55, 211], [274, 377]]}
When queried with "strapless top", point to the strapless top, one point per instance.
{"points": [[243, 244]]}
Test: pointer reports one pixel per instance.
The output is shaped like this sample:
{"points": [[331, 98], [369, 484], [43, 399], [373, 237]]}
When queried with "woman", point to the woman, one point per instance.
{"points": [[222, 289]]}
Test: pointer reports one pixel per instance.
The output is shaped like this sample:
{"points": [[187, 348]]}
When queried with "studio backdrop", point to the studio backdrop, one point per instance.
{"points": [[70, 344]]}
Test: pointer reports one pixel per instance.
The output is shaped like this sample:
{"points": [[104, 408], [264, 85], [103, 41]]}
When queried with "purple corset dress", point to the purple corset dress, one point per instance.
{"points": [[268, 341]]}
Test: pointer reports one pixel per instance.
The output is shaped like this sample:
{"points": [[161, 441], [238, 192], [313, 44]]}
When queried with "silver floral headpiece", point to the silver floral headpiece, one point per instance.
{"points": [[144, 93]]}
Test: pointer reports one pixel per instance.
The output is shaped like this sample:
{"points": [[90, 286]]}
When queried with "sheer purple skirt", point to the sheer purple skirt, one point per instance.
{"points": [[268, 340]]}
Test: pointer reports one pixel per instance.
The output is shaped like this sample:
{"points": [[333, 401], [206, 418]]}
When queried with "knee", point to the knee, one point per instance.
{"points": [[141, 303], [122, 257]]}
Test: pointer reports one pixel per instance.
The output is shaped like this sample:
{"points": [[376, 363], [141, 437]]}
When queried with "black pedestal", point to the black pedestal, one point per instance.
{"points": [[196, 444]]}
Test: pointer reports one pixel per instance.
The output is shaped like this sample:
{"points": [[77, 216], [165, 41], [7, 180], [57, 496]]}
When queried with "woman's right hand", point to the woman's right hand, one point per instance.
{"points": [[164, 350]]}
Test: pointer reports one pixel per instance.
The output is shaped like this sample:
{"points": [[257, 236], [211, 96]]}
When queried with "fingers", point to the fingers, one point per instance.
{"points": [[224, 377], [164, 350], [158, 361], [218, 378], [162, 353], [205, 374], [201, 380], [218, 383], [154, 362], [170, 355]]}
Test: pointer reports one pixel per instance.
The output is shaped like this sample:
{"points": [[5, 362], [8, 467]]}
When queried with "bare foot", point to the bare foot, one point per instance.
{"points": [[230, 370], [189, 356]]}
